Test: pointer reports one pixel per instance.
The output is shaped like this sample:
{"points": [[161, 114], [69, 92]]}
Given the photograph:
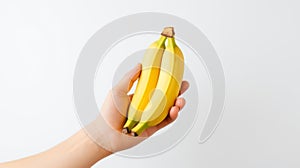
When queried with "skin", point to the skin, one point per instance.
{"points": [[79, 150]]}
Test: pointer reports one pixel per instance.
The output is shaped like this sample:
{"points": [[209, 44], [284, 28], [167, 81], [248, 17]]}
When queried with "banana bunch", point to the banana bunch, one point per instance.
{"points": [[158, 85]]}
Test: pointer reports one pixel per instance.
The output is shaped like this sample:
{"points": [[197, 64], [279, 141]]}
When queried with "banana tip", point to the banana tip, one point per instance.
{"points": [[133, 134], [125, 130]]}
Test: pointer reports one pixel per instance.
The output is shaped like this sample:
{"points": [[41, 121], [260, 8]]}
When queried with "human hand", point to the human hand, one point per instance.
{"points": [[106, 129]]}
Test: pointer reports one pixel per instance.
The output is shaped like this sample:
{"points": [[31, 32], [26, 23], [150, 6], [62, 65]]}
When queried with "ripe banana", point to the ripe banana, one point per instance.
{"points": [[147, 82], [166, 90]]}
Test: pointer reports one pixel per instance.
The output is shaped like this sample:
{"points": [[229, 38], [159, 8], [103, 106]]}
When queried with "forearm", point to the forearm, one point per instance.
{"points": [[77, 151]]}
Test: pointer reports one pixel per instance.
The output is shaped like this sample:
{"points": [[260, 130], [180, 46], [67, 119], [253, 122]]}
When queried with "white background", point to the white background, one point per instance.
{"points": [[256, 40]]}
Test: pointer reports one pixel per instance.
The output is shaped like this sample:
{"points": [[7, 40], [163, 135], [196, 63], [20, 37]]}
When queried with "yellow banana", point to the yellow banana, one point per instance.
{"points": [[147, 82], [167, 88]]}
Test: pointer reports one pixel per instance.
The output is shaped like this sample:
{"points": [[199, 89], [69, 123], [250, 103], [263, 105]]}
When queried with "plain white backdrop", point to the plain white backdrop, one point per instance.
{"points": [[256, 40]]}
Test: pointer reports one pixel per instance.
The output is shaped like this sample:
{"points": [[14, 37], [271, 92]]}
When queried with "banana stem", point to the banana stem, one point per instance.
{"points": [[162, 39], [168, 32], [171, 42]]}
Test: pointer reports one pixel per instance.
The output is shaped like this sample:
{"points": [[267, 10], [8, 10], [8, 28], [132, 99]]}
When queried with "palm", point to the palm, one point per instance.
{"points": [[116, 104]]}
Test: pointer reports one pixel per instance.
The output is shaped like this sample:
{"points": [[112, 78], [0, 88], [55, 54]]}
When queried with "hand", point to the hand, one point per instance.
{"points": [[80, 149], [113, 115]]}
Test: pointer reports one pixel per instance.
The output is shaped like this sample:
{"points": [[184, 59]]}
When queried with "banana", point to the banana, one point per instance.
{"points": [[147, 82], [167, 88]]}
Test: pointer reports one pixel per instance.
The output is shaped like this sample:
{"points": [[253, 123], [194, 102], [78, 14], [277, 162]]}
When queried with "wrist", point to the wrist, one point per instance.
{"points": [[77, 151], [89, 142], [90, 147]]}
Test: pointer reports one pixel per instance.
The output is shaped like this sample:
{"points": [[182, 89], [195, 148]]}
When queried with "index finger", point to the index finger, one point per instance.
{"points": [[184, 86]]}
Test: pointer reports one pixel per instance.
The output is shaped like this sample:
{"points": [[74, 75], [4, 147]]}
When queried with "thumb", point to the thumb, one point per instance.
{"points": [[125, 84]]}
